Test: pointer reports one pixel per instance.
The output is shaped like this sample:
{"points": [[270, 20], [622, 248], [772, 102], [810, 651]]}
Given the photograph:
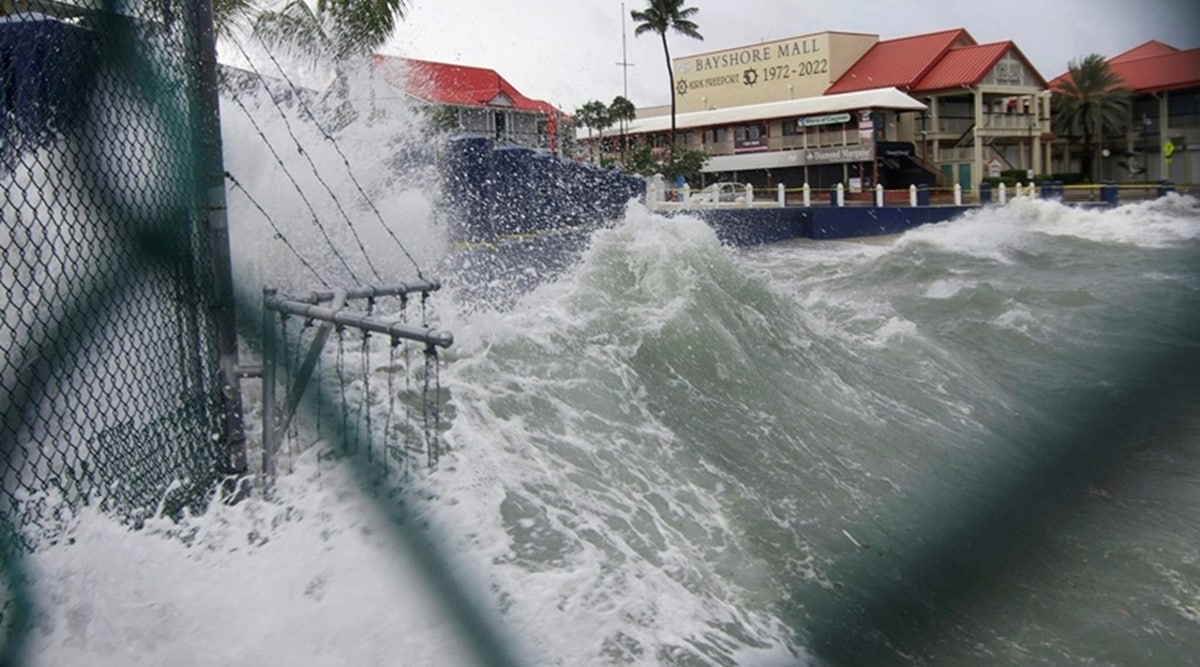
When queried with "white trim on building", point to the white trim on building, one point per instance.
{"points": [[879, 98]]}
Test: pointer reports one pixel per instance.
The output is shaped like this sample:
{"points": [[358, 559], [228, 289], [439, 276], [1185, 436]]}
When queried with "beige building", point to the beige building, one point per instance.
{"points": [[832, 107], [784, 69]]}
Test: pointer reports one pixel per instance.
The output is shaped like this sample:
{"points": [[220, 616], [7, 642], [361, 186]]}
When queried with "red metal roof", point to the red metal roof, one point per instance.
{"points": [[963, 67], [1150, 48], [1167, 71], [462, 85], [968, 65], [899, 62], [1152, 67]]}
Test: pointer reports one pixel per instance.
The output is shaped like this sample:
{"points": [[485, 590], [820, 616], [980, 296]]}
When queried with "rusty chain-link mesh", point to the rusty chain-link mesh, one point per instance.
{"points": [[109, 386]]}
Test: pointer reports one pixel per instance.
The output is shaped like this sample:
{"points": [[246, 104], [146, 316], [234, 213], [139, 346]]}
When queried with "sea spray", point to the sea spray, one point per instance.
{"points": [[681, 453]]}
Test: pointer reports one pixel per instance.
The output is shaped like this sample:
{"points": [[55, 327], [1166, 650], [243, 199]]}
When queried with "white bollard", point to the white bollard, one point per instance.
{"points": [[958, 194], [1017, 192], [749, 195], [912, 195], [841, 195], [1002, 194], [807, 196], [652, 198], [685, 195], [879, 194], [782, 195]]}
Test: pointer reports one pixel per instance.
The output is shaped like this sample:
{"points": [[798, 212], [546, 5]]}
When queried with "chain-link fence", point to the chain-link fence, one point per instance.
{"points": [[110, 386]]}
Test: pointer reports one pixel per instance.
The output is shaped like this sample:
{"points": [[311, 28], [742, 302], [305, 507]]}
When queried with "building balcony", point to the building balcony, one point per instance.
{"points": [[994, 125]]}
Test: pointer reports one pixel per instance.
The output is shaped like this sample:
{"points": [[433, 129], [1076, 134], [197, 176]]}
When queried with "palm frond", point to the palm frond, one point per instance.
{"points": [[1091, 101], [229, 14], [295, 29]]}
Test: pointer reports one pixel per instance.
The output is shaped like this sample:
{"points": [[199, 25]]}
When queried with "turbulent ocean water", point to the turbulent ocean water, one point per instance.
{"points": [[976, 443]]}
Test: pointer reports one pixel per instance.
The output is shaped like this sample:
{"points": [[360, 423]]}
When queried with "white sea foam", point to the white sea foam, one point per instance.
{"points": [[314, 577]]}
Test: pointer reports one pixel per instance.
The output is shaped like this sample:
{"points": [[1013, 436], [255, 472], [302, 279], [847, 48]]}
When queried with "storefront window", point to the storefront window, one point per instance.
{"points": [[715, 135]]}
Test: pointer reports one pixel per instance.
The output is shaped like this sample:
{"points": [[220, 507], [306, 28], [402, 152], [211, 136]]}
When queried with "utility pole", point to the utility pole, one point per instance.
{"points": [[624, 64]]}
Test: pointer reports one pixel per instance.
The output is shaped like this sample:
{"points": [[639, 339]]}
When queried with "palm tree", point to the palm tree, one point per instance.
{"points": [[1091, 101], [622, 111], [334, 29], [661, 16], [593, 115], [227, 14]]}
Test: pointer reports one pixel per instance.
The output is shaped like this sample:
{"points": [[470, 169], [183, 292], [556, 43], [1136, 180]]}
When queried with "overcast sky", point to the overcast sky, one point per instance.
{"points": [[566, 51]]}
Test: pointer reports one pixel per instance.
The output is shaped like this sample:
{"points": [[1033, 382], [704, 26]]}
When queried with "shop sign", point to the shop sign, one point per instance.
{"points": [[895, 149], [828, 119], [839, 154], [748, 145]]}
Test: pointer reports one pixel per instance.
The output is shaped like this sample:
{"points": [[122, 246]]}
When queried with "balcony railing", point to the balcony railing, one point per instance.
{"points": [[993, 121]]}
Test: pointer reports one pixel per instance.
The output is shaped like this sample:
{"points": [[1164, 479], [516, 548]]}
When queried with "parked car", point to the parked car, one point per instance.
{"points": [[720, 192]]}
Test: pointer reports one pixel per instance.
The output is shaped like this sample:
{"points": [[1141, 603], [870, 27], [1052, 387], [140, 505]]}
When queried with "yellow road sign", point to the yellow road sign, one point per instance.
{"points": [[1168, 149]]}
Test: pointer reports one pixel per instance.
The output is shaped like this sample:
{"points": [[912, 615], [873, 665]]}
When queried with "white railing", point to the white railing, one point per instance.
{"points": [[1022, 122], [954, 126]]}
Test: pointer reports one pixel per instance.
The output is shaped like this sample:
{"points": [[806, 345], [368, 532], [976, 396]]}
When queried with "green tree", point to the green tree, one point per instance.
{"points": [[332, 29], [622, 111], [1091, 102], [227, 14], [644, 160], [594, 116], [443, 118], [685, 162], [659, 17]]}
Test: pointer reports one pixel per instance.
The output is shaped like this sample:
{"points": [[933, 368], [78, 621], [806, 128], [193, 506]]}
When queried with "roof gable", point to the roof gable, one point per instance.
{"points": [[1167, 71], [1150, 48], [461, 85], [900, 62], [999, 63], [1151, 67]]}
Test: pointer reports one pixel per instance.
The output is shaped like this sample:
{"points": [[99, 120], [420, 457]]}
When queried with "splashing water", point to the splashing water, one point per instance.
{"points": [[681, 453]]}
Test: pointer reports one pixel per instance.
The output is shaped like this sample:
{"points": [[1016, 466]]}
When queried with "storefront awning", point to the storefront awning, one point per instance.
{"points": [[879, 98]]}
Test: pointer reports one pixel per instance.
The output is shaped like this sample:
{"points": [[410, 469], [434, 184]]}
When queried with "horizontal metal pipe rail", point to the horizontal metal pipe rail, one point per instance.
{"points": [[369, 292], [359, 321], [276, 421]]}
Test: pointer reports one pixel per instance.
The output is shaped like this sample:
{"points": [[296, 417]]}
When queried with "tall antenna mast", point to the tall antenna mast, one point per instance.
{"points": [[625, 64]]}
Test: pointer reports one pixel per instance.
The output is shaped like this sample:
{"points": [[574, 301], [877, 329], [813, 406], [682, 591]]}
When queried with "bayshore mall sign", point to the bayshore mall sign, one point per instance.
{"points": [[783, 69]]}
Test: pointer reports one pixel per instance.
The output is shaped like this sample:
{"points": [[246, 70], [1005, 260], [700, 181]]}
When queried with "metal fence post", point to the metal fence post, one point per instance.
{"points": [[211, 167]]}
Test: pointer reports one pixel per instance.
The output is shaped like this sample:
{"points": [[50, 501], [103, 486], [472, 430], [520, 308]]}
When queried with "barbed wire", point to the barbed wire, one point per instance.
{"points": [[336, 147], [316, 172], [278, 233], [299, 190]]}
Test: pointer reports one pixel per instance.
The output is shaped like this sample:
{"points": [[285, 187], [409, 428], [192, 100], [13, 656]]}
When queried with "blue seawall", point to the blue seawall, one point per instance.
{"points": [[501, 193], [752, 226], [508, 195], [46, 77], [519, 217]]}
